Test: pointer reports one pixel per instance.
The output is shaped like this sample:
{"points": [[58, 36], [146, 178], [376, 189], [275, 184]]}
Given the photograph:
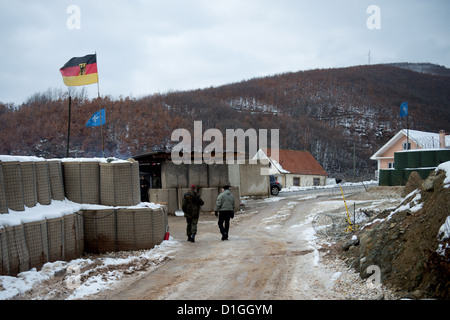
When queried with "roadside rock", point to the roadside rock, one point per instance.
{"points": [[353, 242]]}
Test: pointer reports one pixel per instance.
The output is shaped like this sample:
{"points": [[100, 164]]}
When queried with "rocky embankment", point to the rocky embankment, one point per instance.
{"points": [[408, 246]]}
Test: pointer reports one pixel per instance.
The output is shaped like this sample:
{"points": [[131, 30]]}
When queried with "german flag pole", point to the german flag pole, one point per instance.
{"points": [[79, 71], [68, 126], [99, 109]]}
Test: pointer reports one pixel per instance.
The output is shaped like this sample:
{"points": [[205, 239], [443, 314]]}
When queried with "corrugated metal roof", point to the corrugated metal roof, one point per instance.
{"points": [[300, 162]]}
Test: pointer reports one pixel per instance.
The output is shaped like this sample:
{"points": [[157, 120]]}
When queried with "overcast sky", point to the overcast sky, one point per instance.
{"points": [[146, 47]]}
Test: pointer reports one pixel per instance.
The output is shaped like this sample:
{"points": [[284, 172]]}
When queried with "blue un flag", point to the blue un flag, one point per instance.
{"points": [[403, 109], [97, 119]]}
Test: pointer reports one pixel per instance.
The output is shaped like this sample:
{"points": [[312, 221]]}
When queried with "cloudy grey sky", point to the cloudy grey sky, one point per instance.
{"points": [[146, 47]]}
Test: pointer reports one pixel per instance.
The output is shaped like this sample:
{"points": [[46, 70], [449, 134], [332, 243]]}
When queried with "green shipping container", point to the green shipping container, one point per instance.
{"points": [[385, 178], [428, 158], [414, 159], [400, 160], [397, 178], [442, 156]]}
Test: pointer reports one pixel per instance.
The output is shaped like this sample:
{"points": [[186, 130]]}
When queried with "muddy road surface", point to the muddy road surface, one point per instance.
{"points": [[272, 253]]}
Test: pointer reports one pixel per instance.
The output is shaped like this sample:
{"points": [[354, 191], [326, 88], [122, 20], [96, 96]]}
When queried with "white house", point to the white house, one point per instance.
{"points": [[294, 168]]}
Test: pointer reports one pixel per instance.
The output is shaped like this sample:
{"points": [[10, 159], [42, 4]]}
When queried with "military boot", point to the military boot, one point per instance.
{"points": [[192, 237]]}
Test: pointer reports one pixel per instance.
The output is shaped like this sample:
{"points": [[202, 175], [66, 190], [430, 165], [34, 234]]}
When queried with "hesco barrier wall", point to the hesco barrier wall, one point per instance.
{"points": [[16, 250], [56, 179], [119, 184], [13, 185], [82, 181], [3, 203], [44, 193], [28, 173], [124, 229], [37, 243], [30, 180], [31, 245], [26, 183]]}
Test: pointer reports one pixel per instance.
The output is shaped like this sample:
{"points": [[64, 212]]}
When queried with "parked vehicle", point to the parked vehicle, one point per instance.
{"points": [[275, 186]]}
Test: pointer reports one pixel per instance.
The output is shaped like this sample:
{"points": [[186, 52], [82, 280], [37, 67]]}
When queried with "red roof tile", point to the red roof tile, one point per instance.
{"points": [[300, 162]]}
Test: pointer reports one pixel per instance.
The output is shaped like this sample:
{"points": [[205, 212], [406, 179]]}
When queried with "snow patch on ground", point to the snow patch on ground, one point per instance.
{"points": [[80, 278]]}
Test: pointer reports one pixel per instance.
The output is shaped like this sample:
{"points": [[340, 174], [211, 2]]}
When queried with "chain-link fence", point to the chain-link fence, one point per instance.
{"points": [[334, 224]]}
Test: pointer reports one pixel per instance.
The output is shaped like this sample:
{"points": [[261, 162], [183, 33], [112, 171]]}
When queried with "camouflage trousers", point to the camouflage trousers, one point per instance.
{"points": [[191, 227]]}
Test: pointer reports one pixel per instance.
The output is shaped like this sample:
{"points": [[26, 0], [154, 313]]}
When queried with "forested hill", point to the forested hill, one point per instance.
{"points": [[335, 114]]}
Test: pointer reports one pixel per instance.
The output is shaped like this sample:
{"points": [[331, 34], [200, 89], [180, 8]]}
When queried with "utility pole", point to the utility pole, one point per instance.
{"points": [[354, 161]]}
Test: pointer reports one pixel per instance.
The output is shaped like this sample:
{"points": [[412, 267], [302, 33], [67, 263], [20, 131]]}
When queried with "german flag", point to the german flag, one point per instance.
{"points": [[80, 71]]}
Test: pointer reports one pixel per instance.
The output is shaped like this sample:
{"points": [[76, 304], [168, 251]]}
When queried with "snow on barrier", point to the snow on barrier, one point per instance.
{"points": [[119, 183]]}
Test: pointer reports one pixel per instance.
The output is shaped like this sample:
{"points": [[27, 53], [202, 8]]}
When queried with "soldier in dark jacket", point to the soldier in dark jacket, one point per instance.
{"points": [[225, 211], [144, 189], [191, 207]]}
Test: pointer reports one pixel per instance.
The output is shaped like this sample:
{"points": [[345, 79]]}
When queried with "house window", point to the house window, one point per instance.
{"points": [[406, 145], [316, 181], [296, 182], [391, 165]]}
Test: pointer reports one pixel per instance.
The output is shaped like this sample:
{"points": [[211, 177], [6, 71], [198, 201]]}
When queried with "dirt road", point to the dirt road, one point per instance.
{"points": [[271, 253]]}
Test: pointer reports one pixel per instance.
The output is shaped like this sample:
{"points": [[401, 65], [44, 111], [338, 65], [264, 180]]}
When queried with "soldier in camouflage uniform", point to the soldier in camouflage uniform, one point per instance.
{"points": [[191, 207]]}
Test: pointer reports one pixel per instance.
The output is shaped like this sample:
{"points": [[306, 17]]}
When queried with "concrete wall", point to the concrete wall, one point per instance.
{"points": [[246, 180], [168, 196], [174, 176], [200, 175], [249, 179]]}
